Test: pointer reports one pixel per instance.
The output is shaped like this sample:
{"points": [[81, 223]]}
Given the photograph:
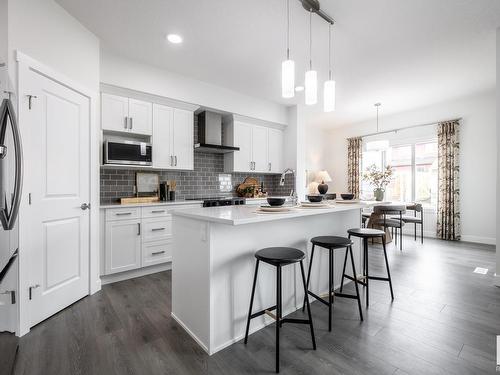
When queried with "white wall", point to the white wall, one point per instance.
{"points": [[477, 156], [118, 71], [498, 158], [46, 32]]}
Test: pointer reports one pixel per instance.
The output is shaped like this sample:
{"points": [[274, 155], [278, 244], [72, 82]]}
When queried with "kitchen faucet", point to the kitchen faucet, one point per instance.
{"points": [[293, 193]]}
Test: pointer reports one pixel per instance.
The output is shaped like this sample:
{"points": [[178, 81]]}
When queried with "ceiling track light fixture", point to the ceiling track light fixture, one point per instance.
{"points": [[311, 76]]}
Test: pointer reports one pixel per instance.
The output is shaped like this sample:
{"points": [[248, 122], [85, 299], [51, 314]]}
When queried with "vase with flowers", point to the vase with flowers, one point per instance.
{"points": [[379, 179]]}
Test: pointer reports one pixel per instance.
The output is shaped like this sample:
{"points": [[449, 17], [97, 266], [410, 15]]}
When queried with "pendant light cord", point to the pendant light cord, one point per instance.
{"points": [[310, 40], [330, 52], [288, 29]]}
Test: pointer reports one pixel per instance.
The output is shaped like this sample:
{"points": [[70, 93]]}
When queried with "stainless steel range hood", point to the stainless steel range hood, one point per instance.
{"points": [[210, 134]]}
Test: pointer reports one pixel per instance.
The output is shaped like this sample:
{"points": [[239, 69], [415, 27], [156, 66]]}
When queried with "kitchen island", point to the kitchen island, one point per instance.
{"points": [[213, 265]]}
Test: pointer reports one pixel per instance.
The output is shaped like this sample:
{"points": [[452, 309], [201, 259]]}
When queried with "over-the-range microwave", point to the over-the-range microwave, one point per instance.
{"points": [[128, 153]]}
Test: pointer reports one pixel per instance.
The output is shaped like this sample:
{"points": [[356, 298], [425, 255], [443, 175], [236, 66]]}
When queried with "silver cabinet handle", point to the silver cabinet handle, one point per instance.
{"points": [[158, 252], [138, 229], [131, 122], [85, 206], [125, 125], [8, 219], [123, 213], [157, 211], [269, 167], [175, 160], [157, 229], [251, 165], [171, 160]]}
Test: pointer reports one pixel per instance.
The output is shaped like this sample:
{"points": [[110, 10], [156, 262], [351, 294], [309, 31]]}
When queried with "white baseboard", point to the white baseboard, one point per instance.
{"points": [[108, 279], [190, 333], [478, 239]]}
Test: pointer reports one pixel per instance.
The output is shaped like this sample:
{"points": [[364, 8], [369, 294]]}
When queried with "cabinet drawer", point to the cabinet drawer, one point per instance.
{"points": [[156, 252], [125, 213], [155, 211], [156, 229]]}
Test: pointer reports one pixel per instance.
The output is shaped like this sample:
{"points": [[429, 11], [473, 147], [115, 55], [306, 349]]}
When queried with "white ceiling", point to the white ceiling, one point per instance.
{"points": [[403, 53]]}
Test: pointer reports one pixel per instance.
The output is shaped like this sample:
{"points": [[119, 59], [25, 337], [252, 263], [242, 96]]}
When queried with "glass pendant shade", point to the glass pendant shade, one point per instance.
{"points": [[288, 79], [311, 84], [329, 96]]}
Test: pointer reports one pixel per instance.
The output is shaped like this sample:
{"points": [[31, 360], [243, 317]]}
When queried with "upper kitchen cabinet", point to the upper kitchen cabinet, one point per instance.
{"points": [[121, 114], [261, 148], [173, 138]]}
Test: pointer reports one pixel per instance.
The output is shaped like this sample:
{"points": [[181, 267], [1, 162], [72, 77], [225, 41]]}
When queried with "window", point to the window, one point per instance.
{"points": [[415, 172]]}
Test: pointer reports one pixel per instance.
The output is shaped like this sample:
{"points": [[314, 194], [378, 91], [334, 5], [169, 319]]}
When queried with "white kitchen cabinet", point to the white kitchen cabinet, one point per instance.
{"points": [[123, 245], [156, 252], [275, 150], [183, 139], [163, 117], [141, 117], [261, 148], [173, 138], [121, 114], [114, 113]]}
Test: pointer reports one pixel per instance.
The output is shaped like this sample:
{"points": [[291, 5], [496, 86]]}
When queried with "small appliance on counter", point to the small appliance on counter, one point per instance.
{"points": [[164, 191], [221, 201]]}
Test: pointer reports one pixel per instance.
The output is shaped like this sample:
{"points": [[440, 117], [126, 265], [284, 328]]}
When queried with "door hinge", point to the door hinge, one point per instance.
{"points": [[12, 296], [30, 97], [29, 199], [31, 290]]}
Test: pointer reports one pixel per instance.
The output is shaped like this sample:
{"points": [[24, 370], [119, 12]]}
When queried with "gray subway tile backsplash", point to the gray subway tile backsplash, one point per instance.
{"points": [[206, 180]]}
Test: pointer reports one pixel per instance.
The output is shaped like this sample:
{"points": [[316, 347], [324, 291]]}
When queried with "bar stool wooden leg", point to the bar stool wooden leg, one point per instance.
{"points": [[349, 250], [308, 277], [308, 306], [387, 266], [251, 300]]}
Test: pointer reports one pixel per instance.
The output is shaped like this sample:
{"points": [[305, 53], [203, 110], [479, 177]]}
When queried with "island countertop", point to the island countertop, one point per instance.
{"points": [[239, 215]]}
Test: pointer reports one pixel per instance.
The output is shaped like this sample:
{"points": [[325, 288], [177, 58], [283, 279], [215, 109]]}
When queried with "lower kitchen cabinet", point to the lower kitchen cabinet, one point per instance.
{"points": [[137, 237], [123, 245]]}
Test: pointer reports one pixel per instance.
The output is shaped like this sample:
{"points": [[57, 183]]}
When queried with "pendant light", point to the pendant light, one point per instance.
{"points": [[329, 86], [311, 78], [380, 145], [288, 66]]}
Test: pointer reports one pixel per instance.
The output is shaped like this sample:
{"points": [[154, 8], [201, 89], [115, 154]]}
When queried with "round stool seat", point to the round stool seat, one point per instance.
{"points": [[366, 232], [331, 242], [280, 255]]}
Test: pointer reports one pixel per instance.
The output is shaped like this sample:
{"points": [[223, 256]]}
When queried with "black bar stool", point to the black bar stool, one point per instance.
{"points": [[279, 257], [331, 243], [366, 234]]}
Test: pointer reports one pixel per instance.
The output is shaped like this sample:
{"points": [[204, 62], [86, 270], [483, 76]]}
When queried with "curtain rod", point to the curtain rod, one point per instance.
{"points": [[409, 127]]}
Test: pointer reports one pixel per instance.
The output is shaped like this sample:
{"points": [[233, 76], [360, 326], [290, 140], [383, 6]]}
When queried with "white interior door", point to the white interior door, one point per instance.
{"points": [[57, 161], [183, 145]]}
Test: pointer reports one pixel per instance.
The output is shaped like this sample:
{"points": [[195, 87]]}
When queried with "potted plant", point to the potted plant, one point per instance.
{"points": [[379, 179]]}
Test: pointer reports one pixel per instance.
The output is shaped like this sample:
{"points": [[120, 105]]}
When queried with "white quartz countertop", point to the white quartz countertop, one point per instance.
{"points": [[159, 203], [238, 215]]}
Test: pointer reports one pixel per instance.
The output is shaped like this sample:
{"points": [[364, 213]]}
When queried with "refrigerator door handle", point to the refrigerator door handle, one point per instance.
{"points": [[8, 219]]}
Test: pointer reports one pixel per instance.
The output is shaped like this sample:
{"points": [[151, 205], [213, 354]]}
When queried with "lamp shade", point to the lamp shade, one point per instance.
{"points": [[311, 84], [323, 176], [288, 79], [329, 96]]}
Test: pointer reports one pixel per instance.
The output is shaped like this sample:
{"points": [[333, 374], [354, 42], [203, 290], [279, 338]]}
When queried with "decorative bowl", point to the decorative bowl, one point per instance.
{"points": [[347, 197], [314, 198], [275, 201], [330, 196]]}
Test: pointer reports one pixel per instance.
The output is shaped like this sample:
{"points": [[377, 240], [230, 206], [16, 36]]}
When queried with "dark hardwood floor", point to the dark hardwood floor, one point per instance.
{"points": [[444, 320]]}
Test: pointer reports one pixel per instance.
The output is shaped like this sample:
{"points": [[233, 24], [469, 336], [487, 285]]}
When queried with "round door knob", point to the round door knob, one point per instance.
{"points": [[85, 206]]}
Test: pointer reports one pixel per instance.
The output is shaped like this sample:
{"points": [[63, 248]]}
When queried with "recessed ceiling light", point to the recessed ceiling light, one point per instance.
{"points": [[174, 38], [299, 88]]}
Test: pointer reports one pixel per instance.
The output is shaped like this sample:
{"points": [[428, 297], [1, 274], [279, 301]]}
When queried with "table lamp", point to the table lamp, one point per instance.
{"points": [[323, 177]]}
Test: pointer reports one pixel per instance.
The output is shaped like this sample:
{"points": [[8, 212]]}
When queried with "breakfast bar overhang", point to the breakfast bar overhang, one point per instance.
{"points": [[213, 265]]}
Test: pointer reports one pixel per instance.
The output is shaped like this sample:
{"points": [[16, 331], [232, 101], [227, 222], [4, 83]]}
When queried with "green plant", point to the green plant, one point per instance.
{"points": [[378, 178]]}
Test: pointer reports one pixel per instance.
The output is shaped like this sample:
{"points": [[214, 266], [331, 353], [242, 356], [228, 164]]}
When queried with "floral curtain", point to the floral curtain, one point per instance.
{"points": [[448, 220], [353, 164]]}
